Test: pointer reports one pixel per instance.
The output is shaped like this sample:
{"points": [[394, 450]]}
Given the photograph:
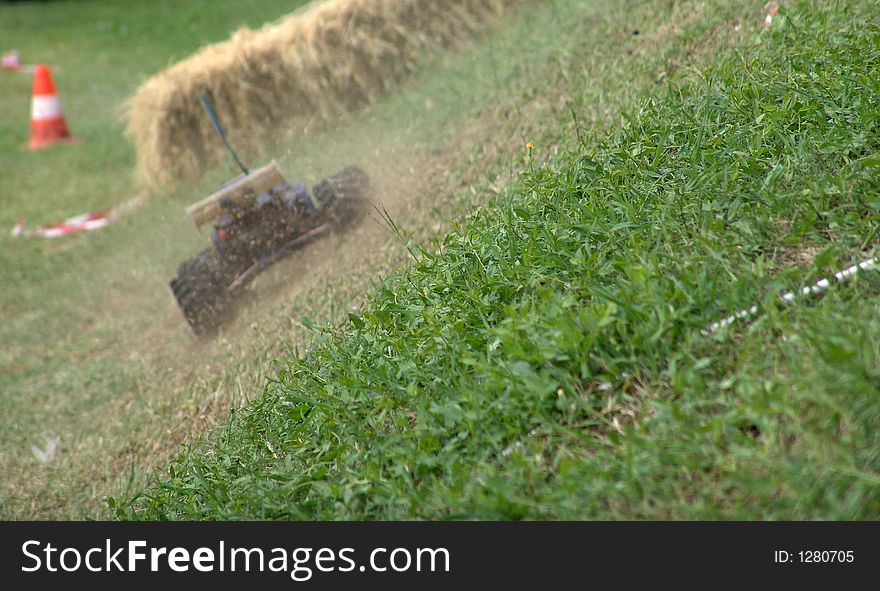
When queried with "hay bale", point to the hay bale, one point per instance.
{"points": [[332, 57]]}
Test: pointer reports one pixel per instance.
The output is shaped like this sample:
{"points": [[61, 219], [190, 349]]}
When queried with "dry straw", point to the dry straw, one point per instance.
{"points": [[332, 57]]}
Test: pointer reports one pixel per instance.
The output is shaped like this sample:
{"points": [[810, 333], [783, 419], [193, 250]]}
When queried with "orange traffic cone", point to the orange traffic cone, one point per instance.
{"points": [[47, 119]]}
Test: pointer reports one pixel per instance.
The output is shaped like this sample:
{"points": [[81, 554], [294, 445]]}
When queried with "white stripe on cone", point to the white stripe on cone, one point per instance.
{"points": [[46, 107]]}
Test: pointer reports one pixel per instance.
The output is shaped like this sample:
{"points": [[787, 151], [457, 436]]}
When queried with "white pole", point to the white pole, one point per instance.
{"points": [[818, 287]]}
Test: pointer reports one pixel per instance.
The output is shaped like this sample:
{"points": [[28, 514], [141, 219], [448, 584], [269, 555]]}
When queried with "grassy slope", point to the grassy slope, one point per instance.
{"points": [[546, 360], [93, 348]]}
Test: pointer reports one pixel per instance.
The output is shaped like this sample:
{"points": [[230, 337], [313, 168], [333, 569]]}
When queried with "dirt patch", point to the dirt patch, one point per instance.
{"points": [[801, 256]]}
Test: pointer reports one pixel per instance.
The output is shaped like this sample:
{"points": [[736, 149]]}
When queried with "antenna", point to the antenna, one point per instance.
{"points": [[222, 135]]}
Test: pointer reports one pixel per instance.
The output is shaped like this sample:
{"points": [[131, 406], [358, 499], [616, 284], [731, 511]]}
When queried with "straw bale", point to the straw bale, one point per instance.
{"points": [[317, 63]]}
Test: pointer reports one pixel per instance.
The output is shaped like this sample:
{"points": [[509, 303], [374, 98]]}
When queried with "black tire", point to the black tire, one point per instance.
{"points": [[200, 292], [343, 197]]}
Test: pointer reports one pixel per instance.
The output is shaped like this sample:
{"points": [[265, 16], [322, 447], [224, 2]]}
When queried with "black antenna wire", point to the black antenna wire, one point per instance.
{"points": [[222, 135]]}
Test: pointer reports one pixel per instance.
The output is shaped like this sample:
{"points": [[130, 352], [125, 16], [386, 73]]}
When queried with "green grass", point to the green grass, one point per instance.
{"points": [[546, 359], [93, 347]]}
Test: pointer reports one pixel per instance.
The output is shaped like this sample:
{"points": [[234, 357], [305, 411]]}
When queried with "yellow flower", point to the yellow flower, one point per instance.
{"points": [[530, 146]]}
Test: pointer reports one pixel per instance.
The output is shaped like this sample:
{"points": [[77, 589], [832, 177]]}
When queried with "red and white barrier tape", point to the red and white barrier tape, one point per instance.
{"points": [[12, 63], [79, 223]]}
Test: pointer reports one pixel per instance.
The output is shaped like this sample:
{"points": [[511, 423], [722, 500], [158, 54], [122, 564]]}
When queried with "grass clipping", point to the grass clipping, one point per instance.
{"points": [[332, 57]]}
